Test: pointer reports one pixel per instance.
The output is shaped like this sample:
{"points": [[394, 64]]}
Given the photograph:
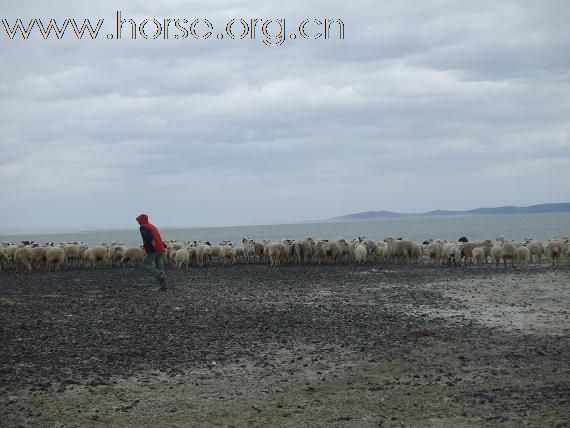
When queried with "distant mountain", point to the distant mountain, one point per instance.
{"points": [[533, 209]]}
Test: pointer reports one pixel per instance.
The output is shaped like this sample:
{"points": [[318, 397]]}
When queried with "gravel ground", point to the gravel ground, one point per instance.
{"points": [[328, 346]]}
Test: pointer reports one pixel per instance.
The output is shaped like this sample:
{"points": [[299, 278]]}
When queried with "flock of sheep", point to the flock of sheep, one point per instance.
{"points": [[29, 255]]}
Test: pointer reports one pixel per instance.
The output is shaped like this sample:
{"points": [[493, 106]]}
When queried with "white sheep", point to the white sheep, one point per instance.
{"points": [[361, 253], [310, 244], [434, 252], [203, 254], [301, 251], [508, 249], [331, 251], [55, 256], [554, 250], [171, 256], [259, 250], [522, 256], [182, 258], [240, 255], [308, 249], [478, 255], [402, 250], [192, 255], [566, 246], [97, 255], [229, 254], [380, 251], [277, 252], [453, 254], [39, 257], [116, 253], [3, 259], [216, 252], [468, 247], [133, 255], [371, 249], [73, 254], [24, 256], [496, 254], [416, 254], [536, 250], [319, 251], [249, 249], [10, 251], [343, 248]]}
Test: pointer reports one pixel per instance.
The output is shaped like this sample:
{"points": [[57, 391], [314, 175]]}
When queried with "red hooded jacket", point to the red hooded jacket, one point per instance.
{"points": [[152, 240]]}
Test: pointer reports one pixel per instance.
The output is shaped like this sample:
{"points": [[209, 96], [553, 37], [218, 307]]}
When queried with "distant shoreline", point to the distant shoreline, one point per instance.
{"points": [[550, 208], [382, 215], [540, 226]]}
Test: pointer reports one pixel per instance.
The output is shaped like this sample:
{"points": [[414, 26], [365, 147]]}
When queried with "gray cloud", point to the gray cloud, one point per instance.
{"points": [[422, 106]]}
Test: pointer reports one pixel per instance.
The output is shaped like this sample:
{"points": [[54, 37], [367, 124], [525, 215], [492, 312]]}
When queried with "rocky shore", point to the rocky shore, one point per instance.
{"points": [[330, 346]]}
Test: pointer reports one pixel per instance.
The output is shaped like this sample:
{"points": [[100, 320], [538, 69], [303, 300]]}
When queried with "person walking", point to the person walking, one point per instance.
{"points": [[155, 251]]}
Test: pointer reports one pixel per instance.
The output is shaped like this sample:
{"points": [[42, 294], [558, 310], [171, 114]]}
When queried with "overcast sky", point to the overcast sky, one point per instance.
{"points": [[423, 105]]}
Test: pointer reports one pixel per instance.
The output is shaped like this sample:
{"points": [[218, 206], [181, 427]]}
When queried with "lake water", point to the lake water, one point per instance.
{"points": [[516, 226]]}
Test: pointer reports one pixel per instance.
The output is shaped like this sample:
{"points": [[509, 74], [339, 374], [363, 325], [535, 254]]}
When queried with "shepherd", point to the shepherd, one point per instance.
{"points": [[153, 262]]}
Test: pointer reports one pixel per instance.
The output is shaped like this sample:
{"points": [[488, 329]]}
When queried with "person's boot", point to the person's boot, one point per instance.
{"points": [[162, 282]]}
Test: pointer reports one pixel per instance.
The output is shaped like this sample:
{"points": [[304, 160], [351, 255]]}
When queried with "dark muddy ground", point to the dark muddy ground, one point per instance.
{"points": [[292, 346]]}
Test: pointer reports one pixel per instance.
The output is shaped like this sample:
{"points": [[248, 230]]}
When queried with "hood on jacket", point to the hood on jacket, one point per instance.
{"points": [[142, 219]]}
